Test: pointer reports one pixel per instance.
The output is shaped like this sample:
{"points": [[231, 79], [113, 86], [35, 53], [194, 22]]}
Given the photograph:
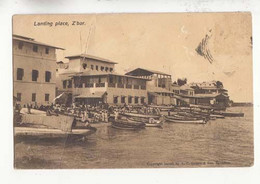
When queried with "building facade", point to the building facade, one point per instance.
{"points": [[34, 71], [158, 86], [93, 80], [206, 93]]}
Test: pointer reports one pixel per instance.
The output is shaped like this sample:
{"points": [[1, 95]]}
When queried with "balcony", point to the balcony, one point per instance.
{"points": [[89, 85], [128, 86], [136, 86], [119, 85], [143, 87], [100, 85], [111, 85]]}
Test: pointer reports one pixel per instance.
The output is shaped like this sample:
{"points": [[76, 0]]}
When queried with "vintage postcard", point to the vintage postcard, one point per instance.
{"points": [[144, 90]]}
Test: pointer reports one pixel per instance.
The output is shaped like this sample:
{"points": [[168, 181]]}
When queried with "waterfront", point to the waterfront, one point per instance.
{"points": [[223, 142]]}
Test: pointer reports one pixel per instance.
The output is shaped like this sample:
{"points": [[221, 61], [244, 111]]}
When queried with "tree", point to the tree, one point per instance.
{"points": [[219, 84], [181, 82]]}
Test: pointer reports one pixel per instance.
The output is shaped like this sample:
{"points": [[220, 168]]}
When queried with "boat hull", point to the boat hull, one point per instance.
{"points": [[186, 121]]}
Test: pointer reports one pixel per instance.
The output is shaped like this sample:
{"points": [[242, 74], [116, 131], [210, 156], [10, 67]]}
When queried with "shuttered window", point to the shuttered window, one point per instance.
{"points": [[20, 73], [35, 75], [47, 76]]}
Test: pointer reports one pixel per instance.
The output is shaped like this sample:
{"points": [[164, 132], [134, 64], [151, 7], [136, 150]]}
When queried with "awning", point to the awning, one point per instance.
{"points": [[91, 95]]}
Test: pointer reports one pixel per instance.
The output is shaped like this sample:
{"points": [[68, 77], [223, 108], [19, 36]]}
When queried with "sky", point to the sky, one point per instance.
{"points": [[165, 42]]}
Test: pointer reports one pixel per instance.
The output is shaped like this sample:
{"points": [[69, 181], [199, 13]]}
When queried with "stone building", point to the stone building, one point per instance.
{"points": [[34, 71]]}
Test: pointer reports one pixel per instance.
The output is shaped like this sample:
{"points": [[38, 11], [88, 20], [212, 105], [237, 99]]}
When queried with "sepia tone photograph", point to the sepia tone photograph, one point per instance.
{"points": [[140, 90]]}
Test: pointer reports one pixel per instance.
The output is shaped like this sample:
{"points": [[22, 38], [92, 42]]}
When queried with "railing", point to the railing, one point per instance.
{"points": [[119, 85], [129, 86], [136, 86], [111, 85], [89, 85], [143, 87], [99, 85]]}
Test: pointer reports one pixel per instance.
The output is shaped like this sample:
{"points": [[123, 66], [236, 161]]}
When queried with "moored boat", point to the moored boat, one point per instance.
{"points": [[127, 124], [229, 114], [140, 115], [188, 121]]}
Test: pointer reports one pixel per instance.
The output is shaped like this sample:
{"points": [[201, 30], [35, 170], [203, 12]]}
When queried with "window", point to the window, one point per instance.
{"points": [[35, 74], [92, 67], [84, 65], [20, 45], [33, 97], [111, 69], [129, 99], [111, 79], [46, 50], [19, 97], [20, 73], [35, 48], [97, 67], [115, 99], [122, 99], [64, 84], [136, 99], [47, 76], [119, 80], [142, 100], [106, 69], [47, 96], [70, 84], [102, 68]]}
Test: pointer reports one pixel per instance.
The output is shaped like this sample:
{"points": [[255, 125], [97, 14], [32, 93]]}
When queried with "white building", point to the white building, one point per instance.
{"points": [[34, 71]]}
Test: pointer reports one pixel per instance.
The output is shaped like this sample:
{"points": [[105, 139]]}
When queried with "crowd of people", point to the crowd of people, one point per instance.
{"points": [[90, 113]]}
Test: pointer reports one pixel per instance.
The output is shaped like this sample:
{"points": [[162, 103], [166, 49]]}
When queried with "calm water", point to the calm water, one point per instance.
{"points": [[223, 142]]}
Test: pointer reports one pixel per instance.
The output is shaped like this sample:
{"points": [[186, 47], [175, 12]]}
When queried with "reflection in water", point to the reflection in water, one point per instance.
{"points": [[223, 142]]}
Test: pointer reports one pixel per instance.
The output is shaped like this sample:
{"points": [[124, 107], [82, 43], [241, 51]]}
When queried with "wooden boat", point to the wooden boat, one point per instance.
{"points": [[127, 124], [50, 132], [209, 107], [188, 121], [228, 114], [162, 108], [41, 125], [158, 123], [140, 115], [148, 122], [192, 116]]}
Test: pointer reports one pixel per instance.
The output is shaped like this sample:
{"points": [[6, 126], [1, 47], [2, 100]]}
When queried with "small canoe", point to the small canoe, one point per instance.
{"points": [[175, 120]]}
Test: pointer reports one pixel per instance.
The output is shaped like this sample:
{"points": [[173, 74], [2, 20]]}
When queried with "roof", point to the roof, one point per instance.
{"points": [[32, 41], [142, 71], [203, 95], [97, 94], [159, 90], [87, 56], [95, 73], [186, 87]]}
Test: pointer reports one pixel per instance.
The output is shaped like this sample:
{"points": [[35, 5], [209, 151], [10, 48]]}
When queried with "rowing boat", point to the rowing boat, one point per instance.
{"points": [[140, 115], [229, 114], [127, 124], [178, 120]]}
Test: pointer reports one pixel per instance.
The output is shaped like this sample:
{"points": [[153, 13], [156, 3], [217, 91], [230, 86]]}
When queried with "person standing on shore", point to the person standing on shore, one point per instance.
{"points": [[29, 108]]}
